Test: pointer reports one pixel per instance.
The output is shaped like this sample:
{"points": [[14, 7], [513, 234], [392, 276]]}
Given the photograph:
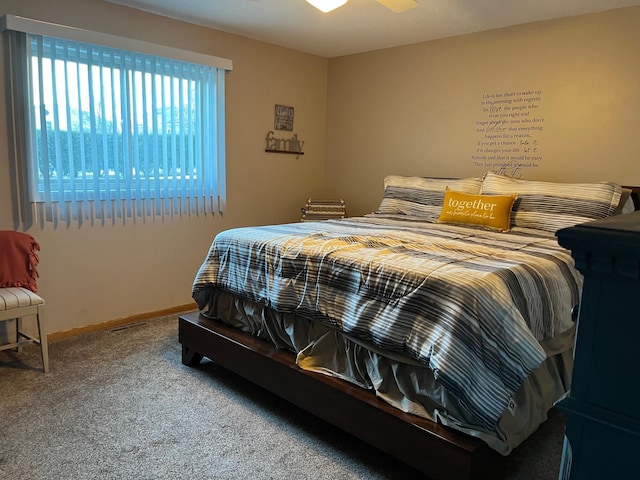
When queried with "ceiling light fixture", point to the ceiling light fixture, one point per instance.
{"points": [[327, 5]]}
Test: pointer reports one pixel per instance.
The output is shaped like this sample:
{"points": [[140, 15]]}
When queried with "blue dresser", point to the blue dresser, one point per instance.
{"points": [[602, 439]]}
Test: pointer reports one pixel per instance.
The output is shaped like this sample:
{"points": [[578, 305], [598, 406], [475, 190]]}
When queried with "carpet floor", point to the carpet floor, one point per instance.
{"points": [[119, 404]]}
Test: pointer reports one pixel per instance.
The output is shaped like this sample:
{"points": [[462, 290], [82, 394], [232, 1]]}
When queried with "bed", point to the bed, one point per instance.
{"points": [[438, 328]]}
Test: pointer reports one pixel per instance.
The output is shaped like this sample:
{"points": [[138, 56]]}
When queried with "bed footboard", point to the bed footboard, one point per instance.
{"points": [[424, 445]]}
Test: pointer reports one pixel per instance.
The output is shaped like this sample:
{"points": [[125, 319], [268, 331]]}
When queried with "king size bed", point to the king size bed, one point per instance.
{"points": [[438, 328]]}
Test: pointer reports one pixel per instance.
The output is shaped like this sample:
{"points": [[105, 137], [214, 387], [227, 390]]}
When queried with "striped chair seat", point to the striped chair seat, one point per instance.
{"points": [[18, 297]]}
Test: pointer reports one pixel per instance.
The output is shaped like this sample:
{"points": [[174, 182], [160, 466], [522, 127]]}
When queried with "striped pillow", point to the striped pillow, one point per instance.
{"points": [[551, 206], [421, 196]]}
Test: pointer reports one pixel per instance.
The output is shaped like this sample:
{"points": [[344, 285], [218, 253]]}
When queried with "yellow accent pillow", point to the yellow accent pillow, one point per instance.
{"points": [[489, 211]]}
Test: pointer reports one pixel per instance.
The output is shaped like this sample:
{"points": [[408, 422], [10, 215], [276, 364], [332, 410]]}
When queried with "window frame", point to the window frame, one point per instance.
{"points": [[171, 199]]}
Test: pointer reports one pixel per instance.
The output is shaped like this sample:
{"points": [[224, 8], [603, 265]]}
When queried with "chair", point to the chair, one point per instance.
{"points": [[18, 299]]}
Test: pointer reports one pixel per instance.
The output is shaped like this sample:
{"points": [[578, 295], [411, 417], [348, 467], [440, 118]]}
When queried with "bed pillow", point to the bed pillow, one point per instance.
{"points": [[421, 196], [488, 211], [626, 204], [629, 206], [551, 206]]}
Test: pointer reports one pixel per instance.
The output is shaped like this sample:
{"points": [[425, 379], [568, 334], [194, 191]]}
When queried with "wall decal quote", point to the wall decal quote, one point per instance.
{"points": [[510, 130]]}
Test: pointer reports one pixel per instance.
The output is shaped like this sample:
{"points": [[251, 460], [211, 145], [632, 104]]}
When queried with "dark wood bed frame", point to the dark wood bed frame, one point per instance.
{"points": [[438, 452]]}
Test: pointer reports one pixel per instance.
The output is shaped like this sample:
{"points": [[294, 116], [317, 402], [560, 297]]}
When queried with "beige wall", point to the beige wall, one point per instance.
{"points": [[413, 110], [96, 273]]}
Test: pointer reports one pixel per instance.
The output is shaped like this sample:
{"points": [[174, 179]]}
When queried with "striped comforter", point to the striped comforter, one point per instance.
{"points": [[472, 305]]}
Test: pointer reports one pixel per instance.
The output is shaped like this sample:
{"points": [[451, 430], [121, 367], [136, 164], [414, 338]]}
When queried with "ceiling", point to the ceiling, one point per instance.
{"points": [[363, 25]]}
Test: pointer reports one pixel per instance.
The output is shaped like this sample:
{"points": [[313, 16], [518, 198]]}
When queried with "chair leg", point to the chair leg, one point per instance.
{"points": [[42, 335], [18, 334]]}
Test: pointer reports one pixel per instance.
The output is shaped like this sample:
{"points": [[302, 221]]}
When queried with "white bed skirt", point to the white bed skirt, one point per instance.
{"points": [[402, 382]]}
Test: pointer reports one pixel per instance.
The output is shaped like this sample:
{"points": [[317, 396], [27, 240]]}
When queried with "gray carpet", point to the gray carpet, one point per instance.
{"points": [[120, 405]]}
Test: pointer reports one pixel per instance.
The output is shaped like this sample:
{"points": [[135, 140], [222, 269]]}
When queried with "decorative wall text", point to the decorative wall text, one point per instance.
{"points": [[283, 145], [510, 130]]}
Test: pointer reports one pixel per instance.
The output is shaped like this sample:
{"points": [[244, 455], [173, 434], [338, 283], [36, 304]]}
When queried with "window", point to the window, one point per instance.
{"points": [[113, 133]]}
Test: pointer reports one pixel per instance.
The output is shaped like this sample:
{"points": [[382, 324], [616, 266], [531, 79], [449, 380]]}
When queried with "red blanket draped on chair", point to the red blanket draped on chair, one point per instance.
{"points": [[18, 260]]}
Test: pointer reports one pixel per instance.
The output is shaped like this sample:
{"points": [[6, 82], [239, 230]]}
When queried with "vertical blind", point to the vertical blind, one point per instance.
{"points": [[114, 133]]}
